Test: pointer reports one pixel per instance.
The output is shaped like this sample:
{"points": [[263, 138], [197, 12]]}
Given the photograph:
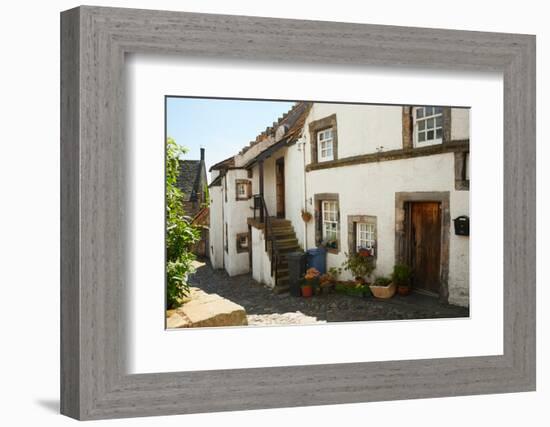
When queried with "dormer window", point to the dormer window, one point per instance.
{"points": [[325, 147], [428, 126]]}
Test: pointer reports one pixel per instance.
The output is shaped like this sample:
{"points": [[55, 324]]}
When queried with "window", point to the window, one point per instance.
{"points": [[362, 233], [329, 212], [325, 145], [243, 189], [366, 236], [323, 139], [242, 242], [428, 125]]}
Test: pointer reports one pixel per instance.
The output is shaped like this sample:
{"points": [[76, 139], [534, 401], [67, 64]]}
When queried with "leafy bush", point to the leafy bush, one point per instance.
{"points": [[401, 274], [359, 264], [382, 281], [180, 234]]}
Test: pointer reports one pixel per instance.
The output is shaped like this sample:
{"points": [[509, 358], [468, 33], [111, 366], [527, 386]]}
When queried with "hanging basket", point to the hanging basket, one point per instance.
{"points": [[306, 216]]}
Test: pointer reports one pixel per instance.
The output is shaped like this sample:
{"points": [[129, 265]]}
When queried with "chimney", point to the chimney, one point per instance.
{"points": [[202, 154]]}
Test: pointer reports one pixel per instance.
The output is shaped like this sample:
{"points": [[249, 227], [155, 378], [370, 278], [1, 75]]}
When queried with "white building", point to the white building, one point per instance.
{"points": [[390, 178]]}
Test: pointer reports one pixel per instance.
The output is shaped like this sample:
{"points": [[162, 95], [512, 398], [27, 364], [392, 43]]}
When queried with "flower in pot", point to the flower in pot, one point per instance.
{"points": [[361, 265], [401, 276], [311, 282], [383, 288], [306, 216]]}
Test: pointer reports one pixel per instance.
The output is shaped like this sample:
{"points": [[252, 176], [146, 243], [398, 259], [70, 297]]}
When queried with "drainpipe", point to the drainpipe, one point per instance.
{"points": [[302, 148]]}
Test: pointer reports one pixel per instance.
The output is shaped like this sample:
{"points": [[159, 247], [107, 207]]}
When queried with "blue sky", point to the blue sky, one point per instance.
{"points": [[221, 126]]}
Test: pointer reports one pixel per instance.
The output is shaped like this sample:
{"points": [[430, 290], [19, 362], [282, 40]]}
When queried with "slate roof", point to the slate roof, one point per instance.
{"points": [[224, 164], [189, 179]]}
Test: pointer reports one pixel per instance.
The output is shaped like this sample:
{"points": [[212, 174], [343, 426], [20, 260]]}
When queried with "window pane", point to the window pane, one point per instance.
{"points": [[438, 110], [421, 125], [430, 124], [430, 134], [439, 133], [439, 121], [429, 111], [421, 137], [419, 113]]}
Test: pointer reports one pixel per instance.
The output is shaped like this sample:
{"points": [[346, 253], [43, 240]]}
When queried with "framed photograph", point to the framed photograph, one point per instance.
{"points": [[261, 213]]}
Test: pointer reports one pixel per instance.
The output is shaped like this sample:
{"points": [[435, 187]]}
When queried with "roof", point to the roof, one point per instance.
{"points": [[295, 120], [189, 179], [217, 181], [202, 217], [224, 164]]}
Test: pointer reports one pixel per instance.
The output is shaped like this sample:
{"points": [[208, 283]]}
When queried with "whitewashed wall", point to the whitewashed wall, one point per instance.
{"points": [[235, 214], [361, 128], [261, 265], [459, 253], [294, 190], [460, 123], [215, 239]]}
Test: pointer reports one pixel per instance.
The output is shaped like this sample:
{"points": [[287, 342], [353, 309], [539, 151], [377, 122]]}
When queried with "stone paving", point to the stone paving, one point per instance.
{"points": [[263, 307]]}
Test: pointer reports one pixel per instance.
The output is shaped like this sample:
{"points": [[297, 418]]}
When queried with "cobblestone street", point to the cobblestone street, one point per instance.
{"points": [[263, 307]]}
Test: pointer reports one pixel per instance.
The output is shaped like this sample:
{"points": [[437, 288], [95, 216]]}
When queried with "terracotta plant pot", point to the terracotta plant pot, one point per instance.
{"points": [[383, 292], [403, 290], [306, 216], [307, 291]]}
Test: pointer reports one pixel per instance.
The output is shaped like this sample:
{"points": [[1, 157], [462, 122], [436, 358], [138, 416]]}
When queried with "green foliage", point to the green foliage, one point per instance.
{"points": [[180, 234], [401, 274], [206, 192], [353, 289], [359, 264], [382, 281], [335, 272]]}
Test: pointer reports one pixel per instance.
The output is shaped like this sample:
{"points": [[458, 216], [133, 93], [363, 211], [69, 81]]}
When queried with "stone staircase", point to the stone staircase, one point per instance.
{"points": [[286, 241]]}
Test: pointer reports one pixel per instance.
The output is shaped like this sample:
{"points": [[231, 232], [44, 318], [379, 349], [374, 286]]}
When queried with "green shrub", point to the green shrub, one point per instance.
{"points": [[359, 264], [401, 274], [180, 234], [382, 281]]}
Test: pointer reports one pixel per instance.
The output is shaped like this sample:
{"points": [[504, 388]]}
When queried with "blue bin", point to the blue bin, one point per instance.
{"points": [[317, 258]]}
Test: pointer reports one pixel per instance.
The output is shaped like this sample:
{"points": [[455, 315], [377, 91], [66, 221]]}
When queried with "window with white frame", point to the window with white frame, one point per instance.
{"points": [[366, 236], [325, 145], [428, 125], [329, 210], [242, 189]]}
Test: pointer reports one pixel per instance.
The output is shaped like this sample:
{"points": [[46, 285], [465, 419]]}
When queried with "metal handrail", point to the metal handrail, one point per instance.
{"points": [[259, 203]]}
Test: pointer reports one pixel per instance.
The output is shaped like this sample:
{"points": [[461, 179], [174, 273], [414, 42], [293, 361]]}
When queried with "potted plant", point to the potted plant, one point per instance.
{"points": [[361, 265], [401, 276], [383, 288], [311, 282], [306, 216], [326, 283]]}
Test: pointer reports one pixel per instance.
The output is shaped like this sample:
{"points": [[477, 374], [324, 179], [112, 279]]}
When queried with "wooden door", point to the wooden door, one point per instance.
{"points": [[280, 186], [425, 244]]}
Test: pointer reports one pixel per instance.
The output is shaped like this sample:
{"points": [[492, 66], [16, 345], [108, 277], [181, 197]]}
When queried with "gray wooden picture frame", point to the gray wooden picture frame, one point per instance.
{"points": [[94, 381]]}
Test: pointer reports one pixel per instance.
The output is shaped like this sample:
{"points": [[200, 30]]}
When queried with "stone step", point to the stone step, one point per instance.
{"points": [[282, 246], [287, 241], [282, 271], [278, 231], [279, 221]]}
